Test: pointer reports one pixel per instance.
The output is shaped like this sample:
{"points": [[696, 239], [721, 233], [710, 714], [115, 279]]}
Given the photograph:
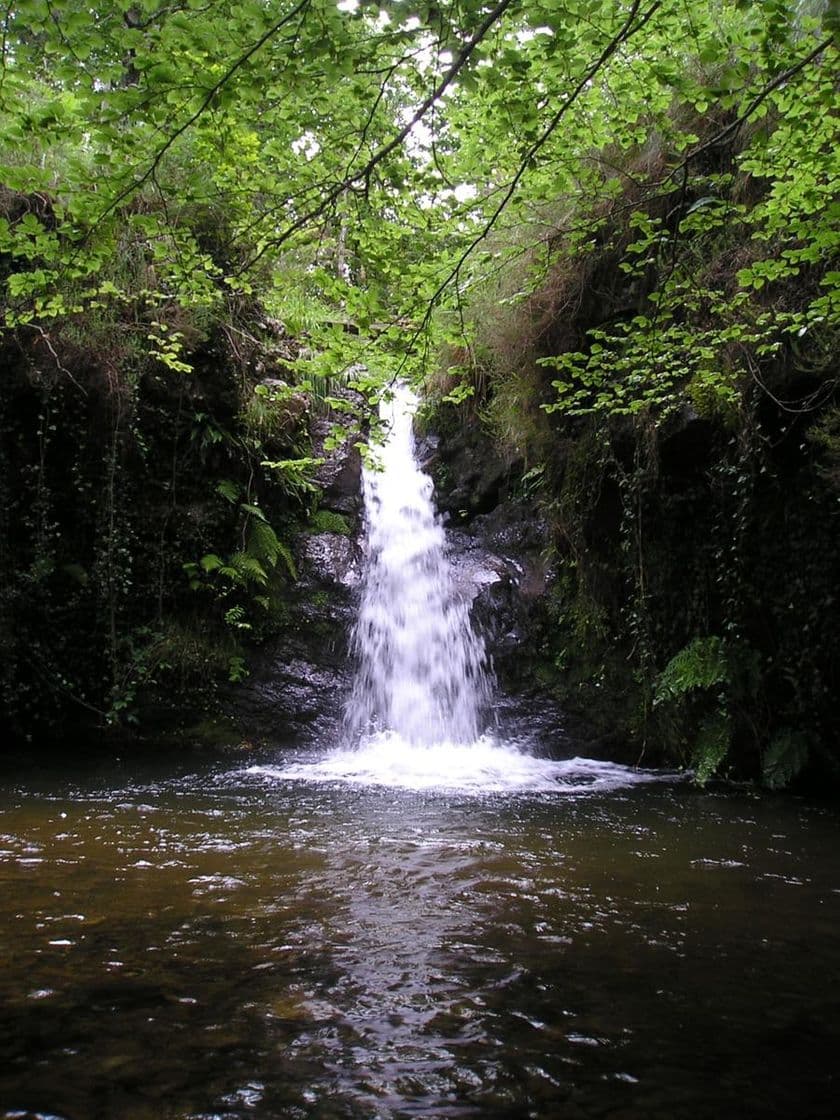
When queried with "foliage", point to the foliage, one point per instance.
{"points": [[358, 164], [118, 467], [711, 746], [296, 474], [784, 758], [701, 664], [248, 579], [273, 412]]}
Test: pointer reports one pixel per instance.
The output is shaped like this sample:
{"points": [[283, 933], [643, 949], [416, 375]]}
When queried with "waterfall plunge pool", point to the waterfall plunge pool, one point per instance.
{"points": [[236, 944]]}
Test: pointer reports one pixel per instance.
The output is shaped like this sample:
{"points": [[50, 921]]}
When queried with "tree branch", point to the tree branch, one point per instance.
{"points": [[299, 8], [628, 29], [363, 173]]}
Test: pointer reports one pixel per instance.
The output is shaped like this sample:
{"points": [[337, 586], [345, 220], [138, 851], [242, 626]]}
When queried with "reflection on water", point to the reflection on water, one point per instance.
{"points": [[230, 945]]}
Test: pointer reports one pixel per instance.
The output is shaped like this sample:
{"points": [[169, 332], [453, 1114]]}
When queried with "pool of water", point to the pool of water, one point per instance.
{"points": [[242, 943]]}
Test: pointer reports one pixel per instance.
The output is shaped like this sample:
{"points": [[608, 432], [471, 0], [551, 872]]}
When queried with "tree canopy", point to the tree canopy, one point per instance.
{"points": [[373, 163]]}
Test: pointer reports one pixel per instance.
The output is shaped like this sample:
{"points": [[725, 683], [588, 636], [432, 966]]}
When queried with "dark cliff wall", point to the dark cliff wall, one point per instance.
{"points": [[686, 486], [160, 523], [680, 590]]}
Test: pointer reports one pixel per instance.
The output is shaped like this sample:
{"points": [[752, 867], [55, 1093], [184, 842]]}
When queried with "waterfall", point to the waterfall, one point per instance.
{"points": [[422, 687], [421, 667]]}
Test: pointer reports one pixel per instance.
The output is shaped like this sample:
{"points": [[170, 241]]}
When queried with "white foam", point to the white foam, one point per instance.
{"points": [[485, 766]]}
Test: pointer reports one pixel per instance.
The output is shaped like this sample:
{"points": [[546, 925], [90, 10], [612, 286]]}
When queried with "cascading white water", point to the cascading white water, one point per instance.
{"points": [[414, 717], [422, 669]]}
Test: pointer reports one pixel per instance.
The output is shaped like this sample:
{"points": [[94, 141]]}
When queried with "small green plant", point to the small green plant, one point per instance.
{"points": [[247, 578], [711, 746], [237, 670], [694, 676], [296, 474], [273, 411]]}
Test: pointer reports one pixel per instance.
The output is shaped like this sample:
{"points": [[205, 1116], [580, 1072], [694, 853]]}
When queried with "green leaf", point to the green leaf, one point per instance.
{"points": [[211, 562], [711, 746], [700, 664], [228, 489]]}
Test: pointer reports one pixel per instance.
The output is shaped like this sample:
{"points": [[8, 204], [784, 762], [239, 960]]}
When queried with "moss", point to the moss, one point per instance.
{"points": [[328, 521]]}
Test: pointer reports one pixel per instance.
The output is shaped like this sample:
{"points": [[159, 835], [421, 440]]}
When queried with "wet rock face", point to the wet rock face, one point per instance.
{"points": [[470, 480], [497, 541], [340, 475], [331, 560], [294, 694], [299, 682], [498, 564], [498, 545]]}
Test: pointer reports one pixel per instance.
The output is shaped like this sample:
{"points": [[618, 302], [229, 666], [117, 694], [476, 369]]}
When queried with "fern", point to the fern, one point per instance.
{"points": [[266, 546], [248, 571], [285, 554], [701, 664], [263, 543], [228, 489], [211, 562], [296, 473], [249, 568], [711, 746]]}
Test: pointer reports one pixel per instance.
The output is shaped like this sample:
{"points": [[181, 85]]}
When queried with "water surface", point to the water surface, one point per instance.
{"points": [[235, 944]]}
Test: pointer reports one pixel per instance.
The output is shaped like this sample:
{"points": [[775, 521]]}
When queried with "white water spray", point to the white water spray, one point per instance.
{"points": [[422, 669]]}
